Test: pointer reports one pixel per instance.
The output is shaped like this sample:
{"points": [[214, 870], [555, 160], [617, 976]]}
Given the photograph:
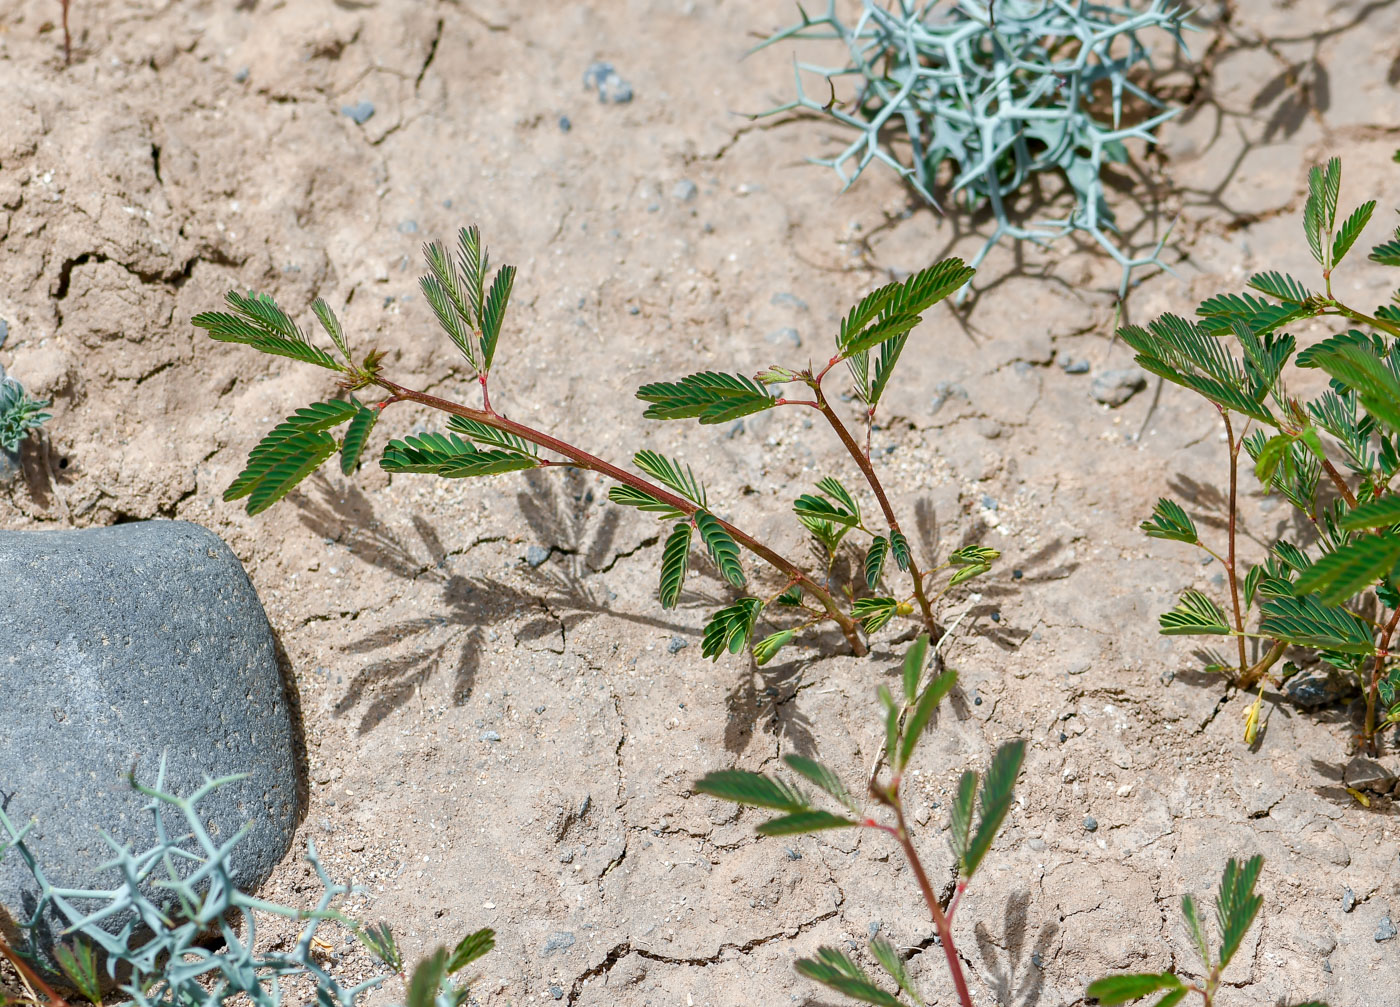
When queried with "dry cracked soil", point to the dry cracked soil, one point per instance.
{"points": [[502, 725]]}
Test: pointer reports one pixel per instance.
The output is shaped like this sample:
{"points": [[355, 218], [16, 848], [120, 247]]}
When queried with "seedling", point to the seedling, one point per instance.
{"points": [[1000, 92], [154, 951], [470, 305], [906, 719], [1337, 597], [1235, 909], [20, 414]]}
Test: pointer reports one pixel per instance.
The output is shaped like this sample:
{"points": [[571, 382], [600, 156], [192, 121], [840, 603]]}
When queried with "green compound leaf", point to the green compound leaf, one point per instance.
{"points": [[258, 322], [1359, 362], [923, 712], [1351, 230], [753, 789], [974, 555], [449, 456], [1281, 286], [997, 789], [967, 573], [960, 819], [792, 597], [835, 489], [1381, 513], [356, 437], [1170, 521], [274, 448], [891, 721], [884, 367], [427, 979], [817, 508], [628, 496], [875, 560], [1111, 991], [823, 778], [446, 292], [722, 547], [874, 612], [1387, 253], [493, 313], [470, 948], [79, 963], [884, 329], [1307, 622], [865, 311], [899, 546], [889, 958], [1352, 568], [765, 650], [929, 286], [1220, 313], [379, 941], [275, 467], [1237, 905], [672, 474], [730, 628], [675, 560], [834, 970], [331, 325], [474, 264], [1194, 615], [914, 659], [482, 434], [1198, 932], [709, 396], [801, 822]]}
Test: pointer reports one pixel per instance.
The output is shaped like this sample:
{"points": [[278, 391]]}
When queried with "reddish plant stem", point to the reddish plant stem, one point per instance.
{"points": [[30, 976], [940, 920], [1339, 482], [593, 463], [863, 461], [1230, 555], [1374, 688]]}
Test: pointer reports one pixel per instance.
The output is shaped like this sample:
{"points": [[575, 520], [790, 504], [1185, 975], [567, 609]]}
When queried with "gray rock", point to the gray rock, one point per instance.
{"points": [[557, 941], [118, 645], [360, 112], [601, 77], [784, 337], [1318, 686], [944, 392], [1091, 824], [1377, 775], [1348, 900], [536, 555], [677, 644], [685, 191], [408, 227], [490, 736], [564, 124], [1385, 930], [241, 76], [557, 992], [1113, 388], [791, 853], [1074, 366]]}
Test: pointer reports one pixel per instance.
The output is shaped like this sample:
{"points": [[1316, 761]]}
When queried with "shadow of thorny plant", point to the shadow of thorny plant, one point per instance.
{"points": [[540, 609], [1016, 980]]}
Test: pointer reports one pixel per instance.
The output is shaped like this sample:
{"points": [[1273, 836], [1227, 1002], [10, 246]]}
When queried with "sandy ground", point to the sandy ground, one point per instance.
{"points": [[194, 146]]}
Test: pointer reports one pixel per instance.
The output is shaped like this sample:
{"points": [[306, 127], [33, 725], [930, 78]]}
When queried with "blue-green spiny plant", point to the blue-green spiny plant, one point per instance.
{"points": [[1338, 597], [1000, 91], [1236, 906], [906, 719], [148, 933], [19, 414], [470, 305]]}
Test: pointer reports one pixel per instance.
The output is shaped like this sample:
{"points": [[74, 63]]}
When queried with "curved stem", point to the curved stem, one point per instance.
{"points": [[868, 470], [940, 919], [587, 461], [1260, 668]]}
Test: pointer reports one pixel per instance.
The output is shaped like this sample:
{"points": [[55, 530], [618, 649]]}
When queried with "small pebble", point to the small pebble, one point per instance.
{"points": [[976, 700], [539, 709], [988, 503], [601, 76], [788, 300], [1063, 737], [1016, 575], [634, 310], [677, 644], [1074, 366], [1036, 960], [996, 617], [241, 76], [791, 853], [490, 736], [653, 207], [685, 191], [556, 992], [536, 555], [1348, 900], [784, 337], [1386, 930], [873, 927], [1091, 824], [564, 124], [360, 112], [408, 227], [1113, 388], [557, 941]]}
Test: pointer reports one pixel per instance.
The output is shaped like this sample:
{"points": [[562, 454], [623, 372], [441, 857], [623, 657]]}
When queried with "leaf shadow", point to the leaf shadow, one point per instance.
{"points": [[1004, 969]]}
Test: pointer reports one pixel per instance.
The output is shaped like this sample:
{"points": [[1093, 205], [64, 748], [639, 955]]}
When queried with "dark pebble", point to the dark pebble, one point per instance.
{"points": [[564, 124], [677, 644], [1091, 824]]}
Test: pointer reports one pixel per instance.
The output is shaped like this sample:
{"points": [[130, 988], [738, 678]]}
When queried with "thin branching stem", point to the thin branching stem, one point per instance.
{"points": [[1230, 554], [940, 919], [584, 460], [868, 470]]}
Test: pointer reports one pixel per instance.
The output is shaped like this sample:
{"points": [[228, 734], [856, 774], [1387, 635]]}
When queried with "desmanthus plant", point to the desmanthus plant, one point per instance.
{"points": [[1002, 92], [470, 305], [1236, 906], [1337, 596], [906, 719], [147, 936]]}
